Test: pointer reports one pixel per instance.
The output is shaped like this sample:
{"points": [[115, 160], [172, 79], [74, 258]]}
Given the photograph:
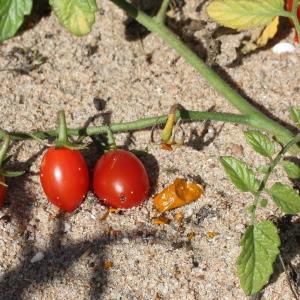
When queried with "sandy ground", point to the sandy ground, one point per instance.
{"points": [[126, 256]]}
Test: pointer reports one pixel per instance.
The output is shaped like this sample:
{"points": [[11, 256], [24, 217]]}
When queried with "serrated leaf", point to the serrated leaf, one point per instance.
{"points": [[240, 174], [260, 247], [12, 14], [260, 143], [295, 115], [291, 169], [268, 33], [245, 14], [77, 16], [285, 197]]}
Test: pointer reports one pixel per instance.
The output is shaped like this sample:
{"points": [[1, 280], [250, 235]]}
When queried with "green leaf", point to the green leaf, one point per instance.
{"points": [[260, 247], [295, 115], [77, 16], [240, 174], [285, 197], [263, 169], [263, 202], [291, 169], [245, 14], [260, 143], [12, 14], [12, 173]]}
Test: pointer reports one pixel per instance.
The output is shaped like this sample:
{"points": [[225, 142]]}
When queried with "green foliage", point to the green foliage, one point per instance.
{"points": [[285, 197], [240, 174], [260, 143], [291, 169], [263, 202], [77, 16], [12, 14], [245, 14], [260, 247], [295, 115]]}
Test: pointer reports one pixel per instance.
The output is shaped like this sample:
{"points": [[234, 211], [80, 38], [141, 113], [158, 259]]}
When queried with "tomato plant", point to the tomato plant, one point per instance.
{"points": [[120, 179], [64, 177]]}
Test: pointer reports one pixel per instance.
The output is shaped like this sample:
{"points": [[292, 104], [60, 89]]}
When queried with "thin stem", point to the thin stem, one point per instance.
{"points": [[111, 141], [140, 124], [62, 128], [216, 82], [4, 146], [161, 15], [272, 166]]}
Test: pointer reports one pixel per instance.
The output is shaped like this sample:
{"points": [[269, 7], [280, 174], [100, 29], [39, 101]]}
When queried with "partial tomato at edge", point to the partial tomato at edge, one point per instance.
{"points": [[64, 177], [289, 6], [2, 191], [120, 179]]}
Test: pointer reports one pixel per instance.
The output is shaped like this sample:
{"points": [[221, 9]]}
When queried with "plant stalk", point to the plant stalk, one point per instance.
{"points": [[259, 119], [185, 115]]}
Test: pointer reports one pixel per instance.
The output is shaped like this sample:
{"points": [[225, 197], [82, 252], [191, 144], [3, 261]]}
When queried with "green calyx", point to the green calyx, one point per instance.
{"points": [[62, 140]]}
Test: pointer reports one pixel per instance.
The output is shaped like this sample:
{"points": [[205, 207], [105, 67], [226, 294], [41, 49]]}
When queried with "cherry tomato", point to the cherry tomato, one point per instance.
{"points": [[289, 6], [64, 177], [120, 179], [2, 191]]}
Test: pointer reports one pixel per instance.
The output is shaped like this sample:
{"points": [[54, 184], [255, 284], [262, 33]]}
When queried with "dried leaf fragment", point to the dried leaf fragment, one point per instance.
{"points": [[191, 235], [268, 33], [212, 234], [160, 220], [107, 264], [177, 194]]}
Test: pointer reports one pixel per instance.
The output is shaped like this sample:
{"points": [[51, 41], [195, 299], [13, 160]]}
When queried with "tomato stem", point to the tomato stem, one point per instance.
{"points": [[111, 139], [161, 15], [62, 129], [4, 146]]}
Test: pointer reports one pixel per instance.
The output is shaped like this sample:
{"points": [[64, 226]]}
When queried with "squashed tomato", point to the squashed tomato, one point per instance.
{"points": [[120, 179], [2, 191], [177, 194], [289, 6], [64, 177]]}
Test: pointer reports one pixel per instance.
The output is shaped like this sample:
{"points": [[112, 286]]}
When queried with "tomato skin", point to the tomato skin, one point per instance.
{"points": [[2, 191], [64, 177], [120, 179], [289, 7]]}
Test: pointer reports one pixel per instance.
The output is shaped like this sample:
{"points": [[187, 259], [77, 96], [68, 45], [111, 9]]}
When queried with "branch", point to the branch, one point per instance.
{"points": [[143, 123], [161, 15]]}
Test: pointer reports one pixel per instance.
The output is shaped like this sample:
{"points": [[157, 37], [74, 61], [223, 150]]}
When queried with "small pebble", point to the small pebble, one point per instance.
{"points": [[283, 48], [67, 227], [38, 257]]}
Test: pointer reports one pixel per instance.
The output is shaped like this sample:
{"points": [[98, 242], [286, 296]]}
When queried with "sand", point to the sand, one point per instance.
{"points": [[47, 255]]}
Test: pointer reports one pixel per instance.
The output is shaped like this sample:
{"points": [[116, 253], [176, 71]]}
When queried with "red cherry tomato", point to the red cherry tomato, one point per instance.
{"points": [[2, 191], [120, 179], [289, 6], [64, 177]]}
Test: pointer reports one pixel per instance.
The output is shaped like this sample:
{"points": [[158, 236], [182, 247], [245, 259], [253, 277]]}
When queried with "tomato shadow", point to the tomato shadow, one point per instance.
{"points": [[152, 167]]}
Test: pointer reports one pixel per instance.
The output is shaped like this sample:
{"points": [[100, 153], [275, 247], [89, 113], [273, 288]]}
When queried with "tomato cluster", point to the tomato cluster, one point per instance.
{"points": [[120, 180]]}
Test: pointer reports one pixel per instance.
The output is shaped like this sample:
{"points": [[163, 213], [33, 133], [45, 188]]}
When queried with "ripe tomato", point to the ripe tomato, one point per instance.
{"points": [[64, 177], [289, 6], [120, 179], [2, 191]]}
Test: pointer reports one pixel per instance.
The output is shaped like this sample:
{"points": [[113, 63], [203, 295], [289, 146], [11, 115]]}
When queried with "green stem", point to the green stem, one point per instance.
{"points": [[62, 128], [273, 164], [111, 141], [140, 124], [4, 146], [261, 120], [161, 15]]}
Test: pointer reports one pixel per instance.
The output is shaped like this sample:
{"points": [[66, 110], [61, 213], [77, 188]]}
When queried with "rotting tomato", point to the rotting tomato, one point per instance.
{"points": [[120, 179], [289, 7], [64, 177], [2, 190]]}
